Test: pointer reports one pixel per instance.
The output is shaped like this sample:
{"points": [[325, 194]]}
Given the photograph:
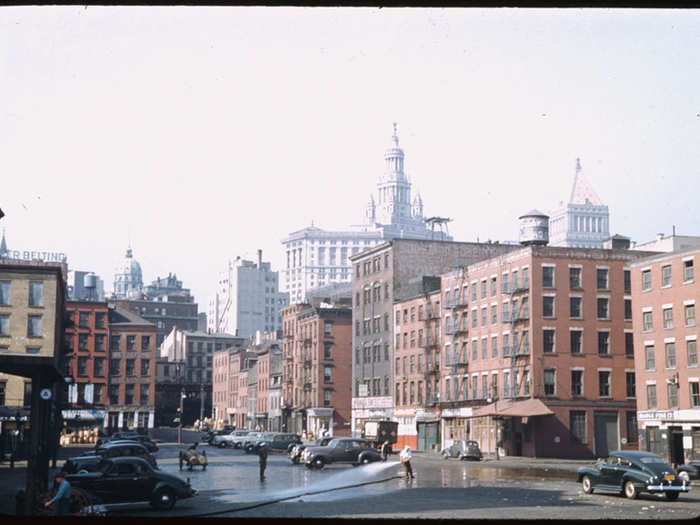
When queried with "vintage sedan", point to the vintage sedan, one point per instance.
{"points": [[275, 441], [463, 449], [129, 436], [295, 452], [689, 470], [341, 450], [632, 472], [131, 479]]}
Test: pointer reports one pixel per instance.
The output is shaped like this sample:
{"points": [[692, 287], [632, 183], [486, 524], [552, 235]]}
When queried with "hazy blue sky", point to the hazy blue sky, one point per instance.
{"points": [[211, 132]]}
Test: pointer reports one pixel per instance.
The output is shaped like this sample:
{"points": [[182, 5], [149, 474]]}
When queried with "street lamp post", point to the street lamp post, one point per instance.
{"points": [[179, 423]]}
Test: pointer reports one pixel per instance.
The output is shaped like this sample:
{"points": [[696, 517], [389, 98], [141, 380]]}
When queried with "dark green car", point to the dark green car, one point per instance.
{"points": [[632, 472]]}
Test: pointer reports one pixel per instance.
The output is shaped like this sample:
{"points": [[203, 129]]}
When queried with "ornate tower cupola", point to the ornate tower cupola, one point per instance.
{"points": [[370, 211], [418, 206], [394, 190]]}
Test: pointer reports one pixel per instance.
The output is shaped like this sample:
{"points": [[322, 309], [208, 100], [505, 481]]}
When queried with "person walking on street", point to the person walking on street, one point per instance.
{"points": [[385, 450], [262, 457], [62, 497], [405, 458]]}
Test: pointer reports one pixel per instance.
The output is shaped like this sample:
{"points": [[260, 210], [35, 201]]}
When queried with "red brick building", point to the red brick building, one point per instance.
{"points": [[664, 294], [317, 370], [221, 398], [547, 334], [87, 338], [132, 371], [416, 367]]}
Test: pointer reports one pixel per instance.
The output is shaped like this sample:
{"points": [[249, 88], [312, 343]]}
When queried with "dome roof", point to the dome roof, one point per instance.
{"points": [[128, 277]]}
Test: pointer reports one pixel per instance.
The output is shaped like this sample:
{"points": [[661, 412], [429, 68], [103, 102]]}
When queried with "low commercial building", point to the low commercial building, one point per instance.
{"points": [[664, 294]]}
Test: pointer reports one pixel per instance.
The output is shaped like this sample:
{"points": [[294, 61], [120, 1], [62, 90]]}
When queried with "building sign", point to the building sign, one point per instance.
{"points": [[29, 255], [646, 415], [371, 402], [456, 412], [84, 414]]}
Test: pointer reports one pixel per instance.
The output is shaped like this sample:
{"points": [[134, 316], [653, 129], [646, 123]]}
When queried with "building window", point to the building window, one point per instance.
{"points": [[4, 293], [666, 275], [628, 281], [4, 324], [603, 308], [651, 396], [99, 320], [483, 316], [473, 291], [145, 367], [327, 374], [603, 343], [82, 341], [577, 382], [84, 319], [629, 344], [130, 342], [670, 355], [494, 287], [114, 394], [631, 386], [494, 315], [100, 342], [34, 326], [145, 342], [82, 366], [130, 367], [692, 353], [577, 424], [668, 318], [603, 383], [672, 395], [548, 341], [114, 367], [145, 391], [98, 367], [694, 394], [114, 343], [647, 321], [602, 278], [575, 307], [646, 280], [549, 381], [628, 309], [688, 274], [631, 418], [574, 278], [547, 306], [649, 357], [548, 276], [483, 289], [36, 294], [689, 315], [484, 348], [129, 394]]}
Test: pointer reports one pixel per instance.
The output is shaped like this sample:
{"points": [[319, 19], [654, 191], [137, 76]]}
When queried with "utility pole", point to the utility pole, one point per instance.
{"points": [[179, 423], [201, 403]]}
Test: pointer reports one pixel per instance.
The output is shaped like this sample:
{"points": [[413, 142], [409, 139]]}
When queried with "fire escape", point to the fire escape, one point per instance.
{"points": [[456, 329], [520, 348], [432, 351]]}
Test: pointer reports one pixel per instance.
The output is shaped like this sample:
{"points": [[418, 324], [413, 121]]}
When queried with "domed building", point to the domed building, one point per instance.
{"points": [[128, 279]]}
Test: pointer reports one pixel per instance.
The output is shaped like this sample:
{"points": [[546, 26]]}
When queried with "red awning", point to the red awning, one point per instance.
{"points": [[526, 408]]}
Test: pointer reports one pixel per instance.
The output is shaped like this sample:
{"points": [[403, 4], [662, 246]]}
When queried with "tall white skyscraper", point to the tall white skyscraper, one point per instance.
{"points": [[584, 222], [315, 257], [248, 299]]}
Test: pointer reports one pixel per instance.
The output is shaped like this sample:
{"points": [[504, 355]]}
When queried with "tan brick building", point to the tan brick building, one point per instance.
{"points": [[664, 294]]}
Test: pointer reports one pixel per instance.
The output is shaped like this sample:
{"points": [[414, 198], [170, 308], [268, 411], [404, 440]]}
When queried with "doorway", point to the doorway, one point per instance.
{"points": [[606, 435], [677, 454]]}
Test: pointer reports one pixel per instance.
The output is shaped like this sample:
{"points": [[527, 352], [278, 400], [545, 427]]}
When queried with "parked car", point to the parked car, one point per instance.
{"points": [[296, 450], [463, 449], [275, 441], [341, 450], [131, 479], [689, 470], [250, 438], [131, 436], [81, 464], [114, 449], [235, 439], [208, 437], [632, 472]]}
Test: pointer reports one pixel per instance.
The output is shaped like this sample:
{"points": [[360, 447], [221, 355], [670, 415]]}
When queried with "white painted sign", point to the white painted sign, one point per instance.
{"points": [[371, 402]]}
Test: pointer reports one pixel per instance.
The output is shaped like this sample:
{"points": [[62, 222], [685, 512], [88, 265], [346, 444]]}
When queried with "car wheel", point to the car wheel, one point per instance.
{"points": [[221, 444], [671, 496], [164, 499], [445, 455], [365, 460], [684, 476], [318, 463], [462, 457], [587, 485], [631, 491]]}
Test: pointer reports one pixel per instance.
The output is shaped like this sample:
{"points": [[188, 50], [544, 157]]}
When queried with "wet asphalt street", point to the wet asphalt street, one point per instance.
{"points": [[442, 489]]}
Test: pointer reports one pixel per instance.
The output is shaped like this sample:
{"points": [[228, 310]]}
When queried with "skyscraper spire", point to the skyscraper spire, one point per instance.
{"points": [[582, 192], [395, 136]]}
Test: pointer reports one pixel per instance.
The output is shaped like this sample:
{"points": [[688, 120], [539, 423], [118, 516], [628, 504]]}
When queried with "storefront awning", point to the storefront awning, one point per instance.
{"points": [[526, 408]]}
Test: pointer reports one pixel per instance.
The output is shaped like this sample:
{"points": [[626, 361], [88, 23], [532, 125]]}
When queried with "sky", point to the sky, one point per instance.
{"points": [[201, 134]]}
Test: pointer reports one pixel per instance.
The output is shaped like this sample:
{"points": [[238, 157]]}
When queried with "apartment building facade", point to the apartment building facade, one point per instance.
{"points": [[382, 276], [664, 294], [546, 334], [316, 374]]}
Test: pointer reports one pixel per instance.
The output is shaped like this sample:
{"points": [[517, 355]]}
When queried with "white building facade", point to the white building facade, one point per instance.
{"points": [[248, 299], [315, 257], [582, 223], [128, 278]]}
